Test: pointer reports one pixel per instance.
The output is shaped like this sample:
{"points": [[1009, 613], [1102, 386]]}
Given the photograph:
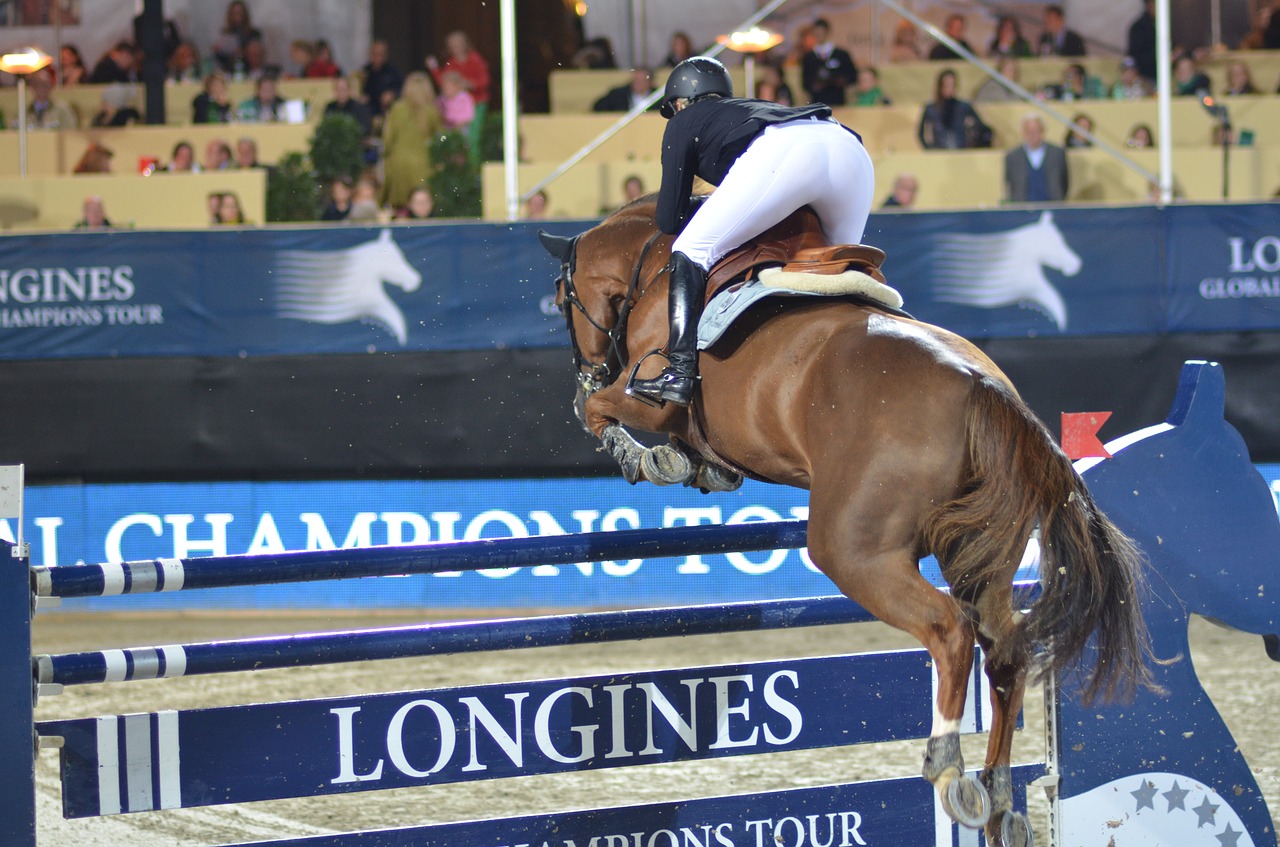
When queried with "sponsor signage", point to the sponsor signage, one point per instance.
{"points": [[1224, 268]]}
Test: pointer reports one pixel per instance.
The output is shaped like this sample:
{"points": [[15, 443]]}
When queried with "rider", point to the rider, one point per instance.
{"points": [[767, 161]]}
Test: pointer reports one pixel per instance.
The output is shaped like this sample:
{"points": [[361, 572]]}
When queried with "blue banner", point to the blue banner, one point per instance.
{"points": [[486, 286]]}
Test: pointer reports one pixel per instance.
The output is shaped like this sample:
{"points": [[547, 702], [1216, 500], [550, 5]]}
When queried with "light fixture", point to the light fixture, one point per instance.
{"points": [[749, 42], [21, 63]]}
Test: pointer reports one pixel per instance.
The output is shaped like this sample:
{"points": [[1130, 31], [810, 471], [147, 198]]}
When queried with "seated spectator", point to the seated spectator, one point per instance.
{"points": [[906, 43], [466, 61], [117, 107], [344, 104], [457, 107], [1075, 138], [535, 208], [596, 54], [381, 79], [1008, 41], [93, 214], [1132, 85], [256, 66], [183, 64], [1035, 171], [44, 112], [1076, 85], [954, 27], [868, 91], [116, 65], [183, 159], [1239, 79], [213, 203], [339, 205], [903, 195], [827, 70], [96, 160], [237, 30], [626, 97], [322, 65], [364, 204], [681, 49], [301, 52], [772, 86], [247, 153], [948, 123], [264, 106], [229, 210], [72, 69], [1255, 38], [212, 105], [1057, 39], [217, 155], [1140, 137], [632, 189], [1188, 80], [419, 206], [991, 91]]}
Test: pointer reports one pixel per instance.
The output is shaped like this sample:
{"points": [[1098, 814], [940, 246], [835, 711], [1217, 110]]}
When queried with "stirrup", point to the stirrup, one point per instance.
{"points": [[657, 394]]}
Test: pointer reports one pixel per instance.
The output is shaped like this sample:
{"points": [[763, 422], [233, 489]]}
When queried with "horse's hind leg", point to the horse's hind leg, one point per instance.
{"points": [[1008, 679]]}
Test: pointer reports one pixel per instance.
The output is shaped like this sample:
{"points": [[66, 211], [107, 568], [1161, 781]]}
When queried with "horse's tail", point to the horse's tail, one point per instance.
{"points": [[1090, 571]]}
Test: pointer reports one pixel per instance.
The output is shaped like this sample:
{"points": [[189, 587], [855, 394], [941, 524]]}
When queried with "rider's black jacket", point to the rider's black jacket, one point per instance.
{"points": [[705, 138]]}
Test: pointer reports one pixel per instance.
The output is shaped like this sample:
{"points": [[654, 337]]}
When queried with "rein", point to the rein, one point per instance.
{"points": [[602, 374]]}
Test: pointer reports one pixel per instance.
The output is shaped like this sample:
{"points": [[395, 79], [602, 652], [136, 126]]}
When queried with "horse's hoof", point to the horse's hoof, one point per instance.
{"points": [[966, 802], [1012, 830], [664, 465], [712, 477]]}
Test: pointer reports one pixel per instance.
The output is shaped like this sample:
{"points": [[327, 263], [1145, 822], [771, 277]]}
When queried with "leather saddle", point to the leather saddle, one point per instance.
{"points": [[796, 244]]}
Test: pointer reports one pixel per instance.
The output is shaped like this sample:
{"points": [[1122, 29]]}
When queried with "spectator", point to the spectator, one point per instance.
{"points": [[1142, 41], [420, 205], [217, 155], [237, 31], [991, 91], [1256, 38], [1188, 80], [96, 160], [73, 70], [1008, 41], [827, 70], [344, 104], [213, 202], [869, 92], [256, 65], [632, 189], [382, 80], [183, 159], [954, 27], [322, 65], [183, 64], [906, 43], [93, 214], [339, 205], [1076, 84], [681, 49], [1271, 36], [1140, 137], [624, 98], [903, 195], [44, 112], [1131, 85], [596, 54], [212, 105], [948, 123], [1056, 39], [1035, 171], [1076, 139], [116, 65], [772, 86], [116, 107], [413, 122], [247, 154], [535, 208], [457, 108], [265, 106], [466, 61], [364, 204], [229, 209], [301, 52], [1239, 79]]}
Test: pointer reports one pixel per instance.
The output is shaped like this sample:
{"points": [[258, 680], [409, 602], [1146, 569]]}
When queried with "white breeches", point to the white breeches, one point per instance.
{"points": [[810, 162]]}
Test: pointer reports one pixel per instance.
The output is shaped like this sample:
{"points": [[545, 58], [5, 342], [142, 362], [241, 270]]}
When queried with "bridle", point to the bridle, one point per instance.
{"points": [[593, 376]]}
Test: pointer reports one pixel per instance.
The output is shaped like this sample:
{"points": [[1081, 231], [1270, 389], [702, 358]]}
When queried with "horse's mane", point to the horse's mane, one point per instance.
{"points": [[646, 205]]}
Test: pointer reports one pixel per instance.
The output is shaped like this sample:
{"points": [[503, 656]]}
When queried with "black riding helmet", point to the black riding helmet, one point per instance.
{"points": [[694, 78]]}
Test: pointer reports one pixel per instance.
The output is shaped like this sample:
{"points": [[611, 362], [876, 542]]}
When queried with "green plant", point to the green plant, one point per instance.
{"points": [[292, 193], [336, 148], [455, 185]]}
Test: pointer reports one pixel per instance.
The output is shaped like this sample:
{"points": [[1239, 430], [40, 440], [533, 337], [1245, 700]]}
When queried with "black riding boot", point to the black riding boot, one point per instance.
{"points": [[684, 306]]}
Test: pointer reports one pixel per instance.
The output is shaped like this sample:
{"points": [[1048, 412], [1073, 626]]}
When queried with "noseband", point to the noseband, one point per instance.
{"points": [[593, 376]]}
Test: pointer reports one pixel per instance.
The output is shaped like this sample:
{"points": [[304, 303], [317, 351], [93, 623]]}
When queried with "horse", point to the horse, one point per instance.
{"points": [[336, 286], [1003, 269], [910, 441]]}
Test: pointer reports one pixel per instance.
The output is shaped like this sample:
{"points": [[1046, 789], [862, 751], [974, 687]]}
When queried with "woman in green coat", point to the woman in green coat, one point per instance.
{"points": [[412, 123]]}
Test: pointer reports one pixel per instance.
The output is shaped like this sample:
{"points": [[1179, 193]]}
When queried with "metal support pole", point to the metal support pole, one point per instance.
{"points": [[510, 108], [1164, 114], [22, 124]]}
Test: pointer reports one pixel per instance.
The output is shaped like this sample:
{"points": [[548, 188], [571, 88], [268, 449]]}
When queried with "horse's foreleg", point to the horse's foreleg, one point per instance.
{"points": [[1006, 828], [661, 465]]}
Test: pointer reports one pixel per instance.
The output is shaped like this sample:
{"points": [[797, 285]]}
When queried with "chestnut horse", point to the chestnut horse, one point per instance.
{"points": [[910, 441]]}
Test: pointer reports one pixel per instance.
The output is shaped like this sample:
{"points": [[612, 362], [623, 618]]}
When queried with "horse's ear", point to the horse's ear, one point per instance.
{"points": [[559, 246]]}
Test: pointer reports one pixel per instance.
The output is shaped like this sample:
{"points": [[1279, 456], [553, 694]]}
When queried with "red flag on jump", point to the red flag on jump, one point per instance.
{"points": [[1080, 434]]}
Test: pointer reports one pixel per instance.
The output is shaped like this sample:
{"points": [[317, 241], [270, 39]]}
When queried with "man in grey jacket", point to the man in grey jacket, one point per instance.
{"points": [[1035, 171]]}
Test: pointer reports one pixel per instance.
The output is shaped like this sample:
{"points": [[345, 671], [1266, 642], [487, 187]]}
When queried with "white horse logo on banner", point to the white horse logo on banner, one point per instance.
{"points": [[336, 286], [1005, 269]]}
